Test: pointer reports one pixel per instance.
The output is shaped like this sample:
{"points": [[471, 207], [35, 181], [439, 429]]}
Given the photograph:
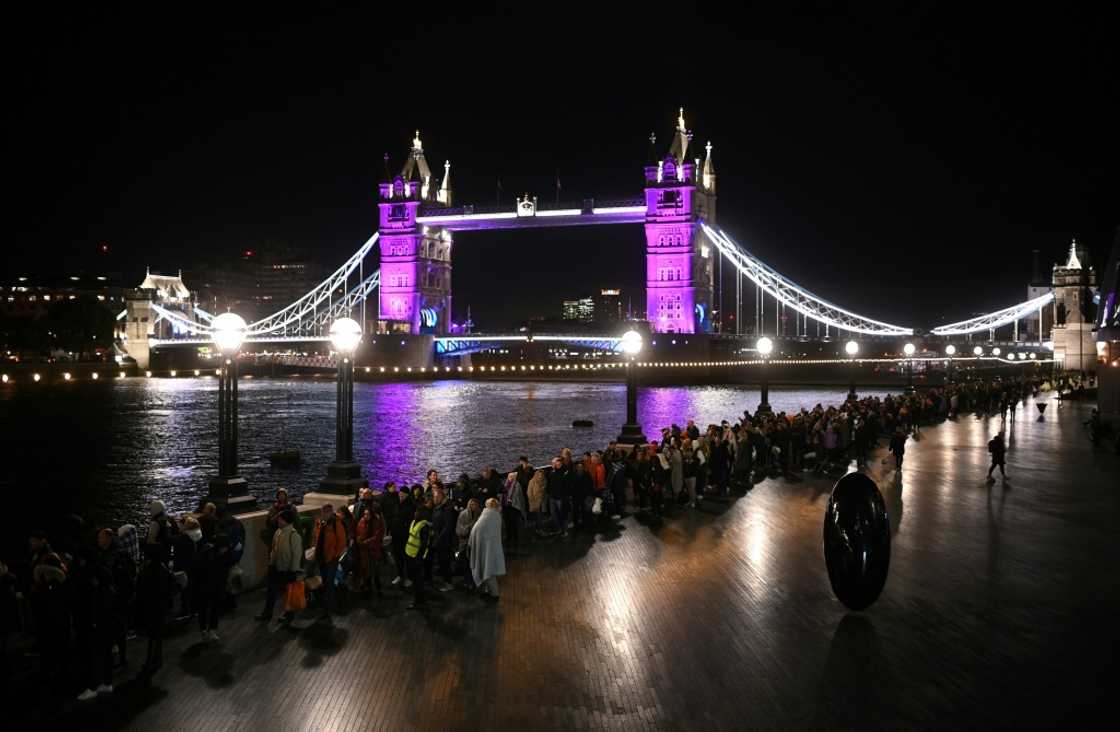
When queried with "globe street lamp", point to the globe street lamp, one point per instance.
{"points": [[852, 348], [344, 476], [909, 349], [950, 351], [764, 346], [978, 352], [229, 489], [631, 434]]}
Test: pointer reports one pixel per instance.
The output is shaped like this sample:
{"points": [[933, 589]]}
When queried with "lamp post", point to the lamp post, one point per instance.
{"points": [[229, 489], [631, 431], [344, 476], [909, 349], [764, 346], [852, 348], [950, 351]]}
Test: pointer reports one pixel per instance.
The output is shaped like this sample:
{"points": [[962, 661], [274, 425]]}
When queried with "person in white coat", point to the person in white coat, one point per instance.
{"points": [[488, 560]]}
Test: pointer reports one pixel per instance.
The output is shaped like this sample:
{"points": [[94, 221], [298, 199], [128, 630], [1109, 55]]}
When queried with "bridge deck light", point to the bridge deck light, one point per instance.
{"points": [[4, 378], [66, 376], [36, 377], [95, 376]]}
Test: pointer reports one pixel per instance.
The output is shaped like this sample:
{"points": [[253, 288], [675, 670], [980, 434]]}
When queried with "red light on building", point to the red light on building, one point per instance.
{"points": [[103, 248], [249, 253]]}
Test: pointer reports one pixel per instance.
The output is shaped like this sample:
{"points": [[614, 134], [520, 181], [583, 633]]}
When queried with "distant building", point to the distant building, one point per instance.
{"points": [[31, 296], [259, 282], [581, 310], [608, 306]]}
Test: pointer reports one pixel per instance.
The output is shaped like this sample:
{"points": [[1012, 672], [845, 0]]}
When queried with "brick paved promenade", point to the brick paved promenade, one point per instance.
{"points": [[1000, 610]]}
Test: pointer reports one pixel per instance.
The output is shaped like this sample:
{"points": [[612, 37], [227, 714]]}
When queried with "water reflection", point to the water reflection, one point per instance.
{"points": [[106, 449]]}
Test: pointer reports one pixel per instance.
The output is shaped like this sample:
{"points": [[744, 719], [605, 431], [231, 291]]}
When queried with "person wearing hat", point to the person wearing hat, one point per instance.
{"points": [[161, 530], [284, 560]]}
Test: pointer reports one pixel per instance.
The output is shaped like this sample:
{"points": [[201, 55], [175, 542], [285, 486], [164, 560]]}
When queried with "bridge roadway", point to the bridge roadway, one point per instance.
{"points": [[999, 612]]}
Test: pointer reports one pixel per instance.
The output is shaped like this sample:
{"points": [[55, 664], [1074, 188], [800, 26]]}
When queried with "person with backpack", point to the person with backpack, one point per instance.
{"points": [[234, 531], [998, 449], [161, 530], [330, 542]]}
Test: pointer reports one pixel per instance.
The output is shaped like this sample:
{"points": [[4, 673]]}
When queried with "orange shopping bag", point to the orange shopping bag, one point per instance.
{"points": [[295, 599]]}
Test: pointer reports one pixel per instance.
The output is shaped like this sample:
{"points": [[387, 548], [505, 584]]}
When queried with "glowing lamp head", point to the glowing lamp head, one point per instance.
{"points": [[346, 333], [229, 332], [764, 346], [996, 351], [851, 348], [1033, 356], [631, 343], [909, 349], [951, 349]]}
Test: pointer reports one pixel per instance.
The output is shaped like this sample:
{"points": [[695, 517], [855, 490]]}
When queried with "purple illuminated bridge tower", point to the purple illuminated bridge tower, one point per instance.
{"points": [[680, 192], [416, 221], [415, 292]]}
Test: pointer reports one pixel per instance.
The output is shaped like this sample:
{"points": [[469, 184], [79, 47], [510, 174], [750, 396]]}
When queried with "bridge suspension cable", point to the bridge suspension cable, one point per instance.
{"points": [[794, 296], [991, 321], [307, 307]]}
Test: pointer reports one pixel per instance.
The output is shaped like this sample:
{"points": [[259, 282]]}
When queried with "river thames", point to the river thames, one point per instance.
{"points": [[104, 450]]}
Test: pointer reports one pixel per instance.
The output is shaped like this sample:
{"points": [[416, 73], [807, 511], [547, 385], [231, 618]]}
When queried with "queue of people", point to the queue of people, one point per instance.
{"points": [[89, 598]]}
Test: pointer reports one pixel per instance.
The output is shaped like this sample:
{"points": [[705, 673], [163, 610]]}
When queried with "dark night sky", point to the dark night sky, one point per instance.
{"points": [[903, 165]]}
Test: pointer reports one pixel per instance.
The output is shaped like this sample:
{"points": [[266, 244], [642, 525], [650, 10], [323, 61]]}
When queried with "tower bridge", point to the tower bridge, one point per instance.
{"points": [[412, 273]]}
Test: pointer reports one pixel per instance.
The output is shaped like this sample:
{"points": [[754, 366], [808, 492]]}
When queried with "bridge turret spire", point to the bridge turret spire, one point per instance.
{"points": [[709, 176], [681, 137], [1074, 262], [444, 194]]}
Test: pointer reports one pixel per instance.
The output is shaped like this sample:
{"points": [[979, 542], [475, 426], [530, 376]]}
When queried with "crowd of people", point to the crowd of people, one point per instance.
{"points": [[89, 598]]}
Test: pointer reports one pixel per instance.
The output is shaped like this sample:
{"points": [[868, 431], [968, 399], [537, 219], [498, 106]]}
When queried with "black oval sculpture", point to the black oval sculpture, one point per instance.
{"points": [[857, 541]]}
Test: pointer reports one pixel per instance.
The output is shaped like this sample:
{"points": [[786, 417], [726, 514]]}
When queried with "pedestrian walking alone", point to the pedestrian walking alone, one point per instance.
{"points": [[998, 449]]}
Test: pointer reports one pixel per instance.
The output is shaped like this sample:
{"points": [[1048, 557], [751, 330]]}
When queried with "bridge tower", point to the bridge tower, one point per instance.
{"points": [[141, 322], [1074, 343], [415, 292], [680, 193]]}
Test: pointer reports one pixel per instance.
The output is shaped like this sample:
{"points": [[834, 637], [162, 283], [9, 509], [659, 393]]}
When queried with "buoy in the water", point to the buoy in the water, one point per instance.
{"points": [[582, 423]]}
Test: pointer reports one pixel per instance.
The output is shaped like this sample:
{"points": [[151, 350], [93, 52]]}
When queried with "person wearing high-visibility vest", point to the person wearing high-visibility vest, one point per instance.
{"points": [[417, 552]]}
